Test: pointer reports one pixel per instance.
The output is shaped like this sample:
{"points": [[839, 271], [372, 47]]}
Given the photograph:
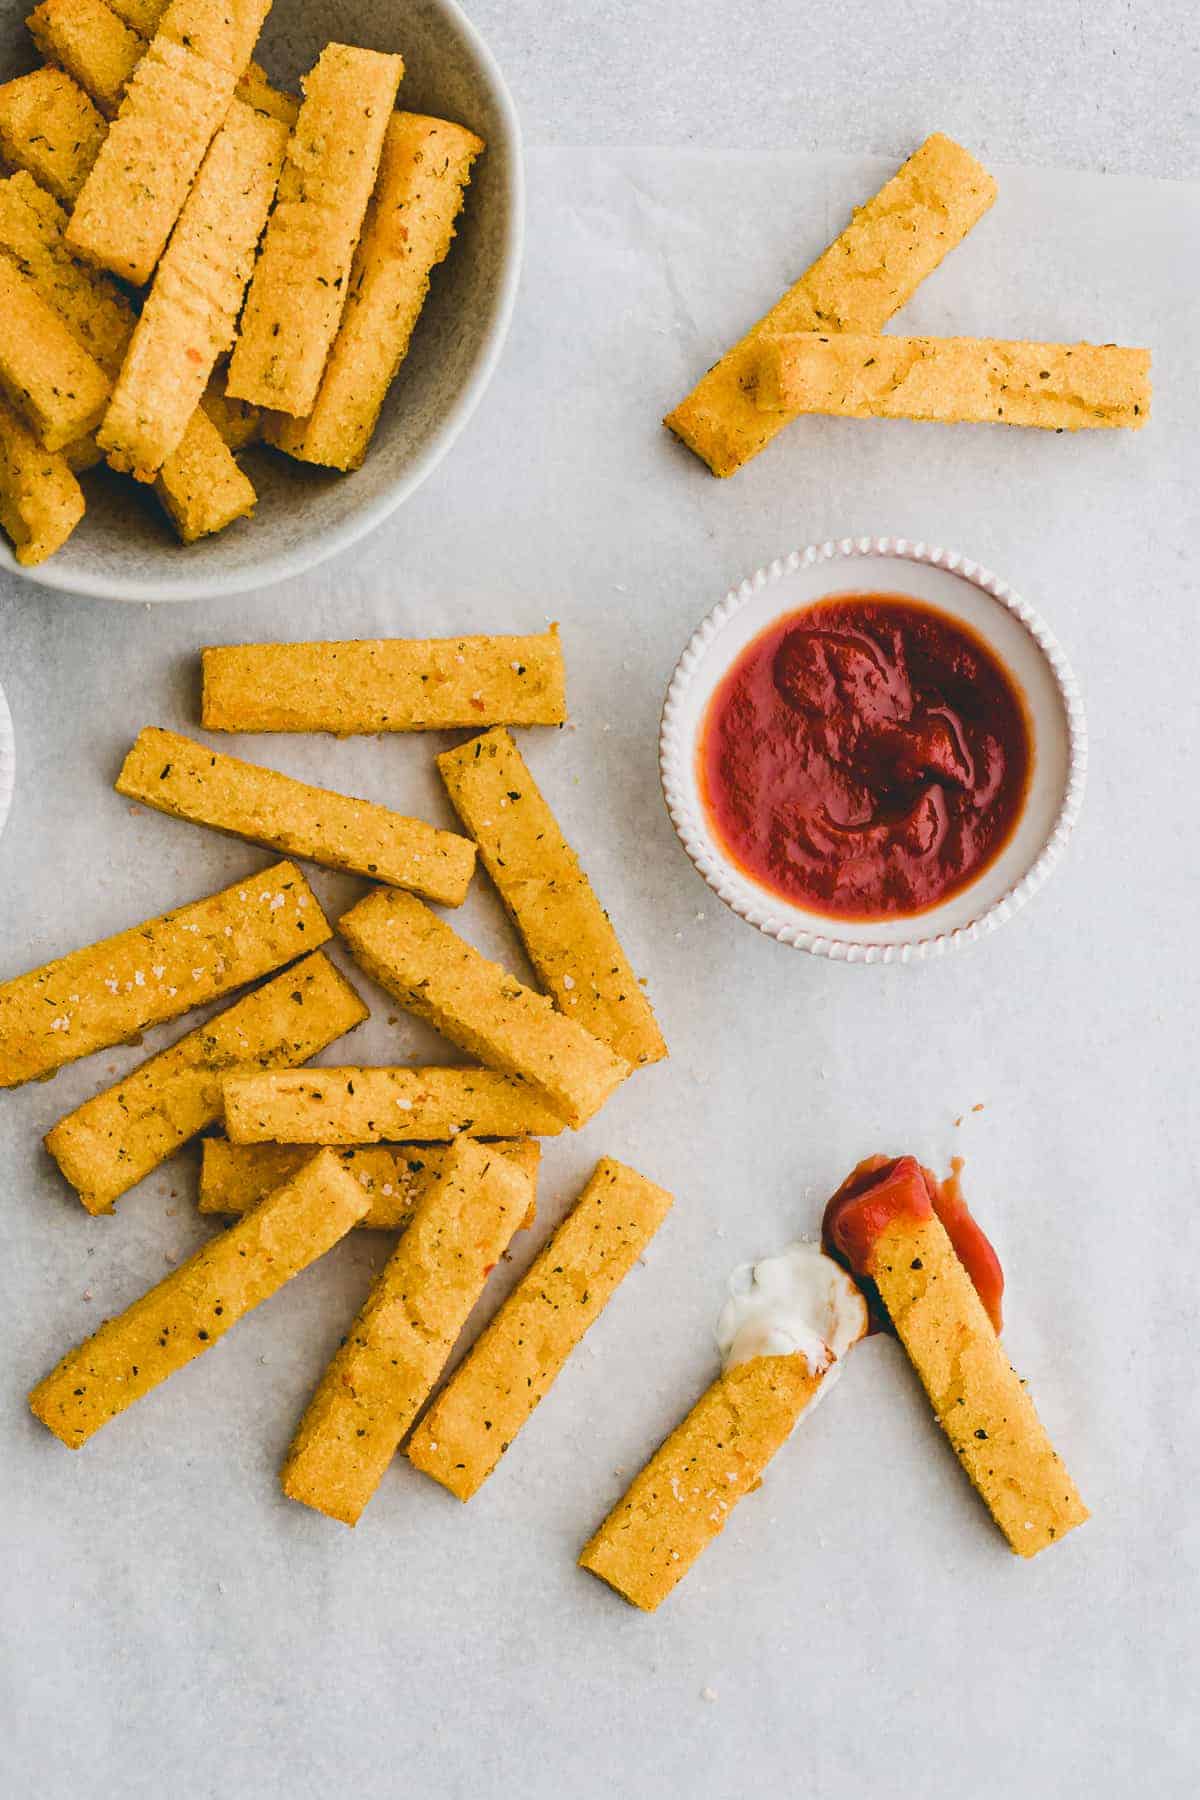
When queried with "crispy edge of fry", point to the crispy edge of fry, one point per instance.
{"points": [[521, 1354], [890, 245], [193, 1307], [111, 1142], [569, 937]]}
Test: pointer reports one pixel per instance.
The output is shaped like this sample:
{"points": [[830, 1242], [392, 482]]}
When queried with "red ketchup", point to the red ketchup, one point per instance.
{"points": [[883, 1189], [866, 757]]}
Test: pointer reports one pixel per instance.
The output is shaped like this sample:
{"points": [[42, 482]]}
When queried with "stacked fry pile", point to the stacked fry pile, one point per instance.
{"points": [[448, 1156], [192, 260]]}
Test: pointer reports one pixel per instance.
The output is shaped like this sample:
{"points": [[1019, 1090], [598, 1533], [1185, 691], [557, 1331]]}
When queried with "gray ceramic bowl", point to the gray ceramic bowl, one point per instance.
{"points": [[124, 549]]}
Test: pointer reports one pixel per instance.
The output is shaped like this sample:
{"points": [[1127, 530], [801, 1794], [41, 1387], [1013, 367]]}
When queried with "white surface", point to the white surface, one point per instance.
{"points": [[1111, 85], [8, 760], [1002, 619], [171, 1624]]}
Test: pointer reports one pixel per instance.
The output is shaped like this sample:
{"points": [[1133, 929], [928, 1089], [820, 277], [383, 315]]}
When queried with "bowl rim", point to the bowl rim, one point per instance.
{"points": [[677, 750], [296, 561]]}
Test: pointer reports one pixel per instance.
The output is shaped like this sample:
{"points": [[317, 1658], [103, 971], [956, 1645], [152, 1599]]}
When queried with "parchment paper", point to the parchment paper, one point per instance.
{"points": [[171, 1623]]}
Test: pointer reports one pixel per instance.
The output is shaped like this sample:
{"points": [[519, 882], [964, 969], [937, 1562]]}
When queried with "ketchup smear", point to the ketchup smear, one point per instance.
{"points": [[883, 1189], [867, 757]]}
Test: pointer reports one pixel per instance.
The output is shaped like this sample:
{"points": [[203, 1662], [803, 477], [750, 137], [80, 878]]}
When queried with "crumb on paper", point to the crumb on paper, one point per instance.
{"points": [[708, 1693]]}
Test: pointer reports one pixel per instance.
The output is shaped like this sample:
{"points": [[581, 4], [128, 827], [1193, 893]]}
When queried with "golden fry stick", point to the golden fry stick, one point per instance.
{"points": [[49, 127], [90, 304], [394, 1177], [107, 993], [423, 172], [107, 1145], [40, 500], [684, 1496], [398, 1345], [181, 777], [175, 102], [519, 1356], [200, 484], [478, 1005], [380, 1105], [254, 87], [887, 1230], [237, 423], [54, 384], [385, 684], [191, 311], [784, 1334], [952, 381], [197, 1304], [890, 246], [566, 931], [300, 283], [88, 40], [980, 1401], [142, 16]]}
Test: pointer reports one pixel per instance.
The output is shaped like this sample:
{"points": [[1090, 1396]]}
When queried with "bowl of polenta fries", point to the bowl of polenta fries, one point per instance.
{"points": [[257, 264]]}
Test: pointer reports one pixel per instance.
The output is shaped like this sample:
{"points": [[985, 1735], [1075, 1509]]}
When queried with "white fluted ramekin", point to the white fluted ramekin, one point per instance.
{"points": [[1015, 633]]}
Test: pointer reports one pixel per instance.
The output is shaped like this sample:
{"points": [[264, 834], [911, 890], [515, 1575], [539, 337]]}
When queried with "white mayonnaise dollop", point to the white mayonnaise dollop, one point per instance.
{"points": [[799, 1303]]}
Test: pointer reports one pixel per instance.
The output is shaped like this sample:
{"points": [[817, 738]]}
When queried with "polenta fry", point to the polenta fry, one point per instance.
{"points": [[191, 311], [188, 781], [567, 934], [58, 388], [956, 381], [40, 500], [107, 1145], [88, 40], [108, 992], [889, 247], [521, 1354], [50, 128], [398, 1345], [374, 1105], [423, 172], [90, 304], [175, 102], [200, 485], [299, 287], [478, 1005], [394, 1177], [189, 1311], [385, 684]]}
